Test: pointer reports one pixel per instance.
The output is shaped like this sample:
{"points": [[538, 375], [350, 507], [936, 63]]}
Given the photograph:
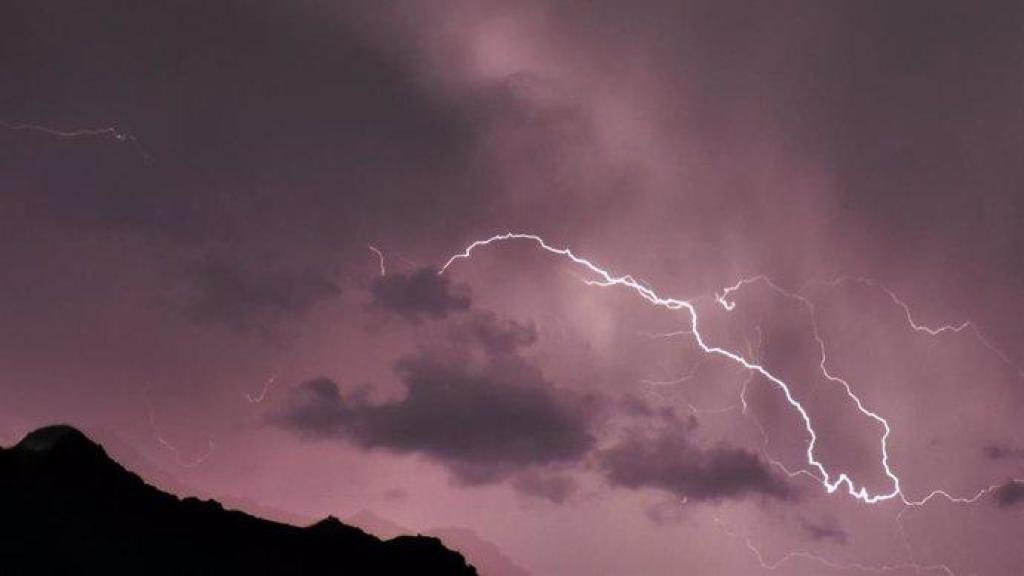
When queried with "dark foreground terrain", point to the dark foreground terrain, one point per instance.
{"points": [[67, 508]]}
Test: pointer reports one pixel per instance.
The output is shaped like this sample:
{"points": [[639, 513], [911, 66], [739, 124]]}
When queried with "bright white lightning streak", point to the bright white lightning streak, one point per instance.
{"points": [[607, 279], [380, 257], [722, 299], [257, 398]]}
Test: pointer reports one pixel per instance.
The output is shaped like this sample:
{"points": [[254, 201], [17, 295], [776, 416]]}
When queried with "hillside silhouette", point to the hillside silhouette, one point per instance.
{"points": [[68, 508], [488, 558]]}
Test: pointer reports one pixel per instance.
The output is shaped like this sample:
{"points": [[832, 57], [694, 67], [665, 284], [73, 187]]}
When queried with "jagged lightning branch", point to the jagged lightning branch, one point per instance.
{"points": [[380, 258], [966, 325], [110, 131], [723, 299], [107, 132], [170, 446], [257, 398]]}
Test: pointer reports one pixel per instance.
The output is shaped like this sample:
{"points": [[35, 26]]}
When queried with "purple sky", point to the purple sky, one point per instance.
{"points": [[189, 194]]}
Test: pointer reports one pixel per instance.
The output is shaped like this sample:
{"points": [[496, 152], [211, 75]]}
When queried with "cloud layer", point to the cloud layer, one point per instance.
{"points": [[669, 460]]}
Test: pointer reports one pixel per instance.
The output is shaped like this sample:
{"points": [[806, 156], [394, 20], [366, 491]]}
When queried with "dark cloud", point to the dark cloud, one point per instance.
{"points": [[483, 419], [666, 512], [245, 298], [418, 294], [495, 336], [472, 402], [827, 530], [668, 460], [482, 422], [315, 407], [1009, 494]]}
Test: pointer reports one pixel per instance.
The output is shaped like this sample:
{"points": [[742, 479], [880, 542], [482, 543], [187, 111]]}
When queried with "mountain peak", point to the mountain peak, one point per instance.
{"points": [[53, 437]]}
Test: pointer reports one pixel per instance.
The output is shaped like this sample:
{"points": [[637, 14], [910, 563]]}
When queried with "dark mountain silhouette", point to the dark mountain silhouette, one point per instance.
{"points": [[67, 508], [485, 555]]}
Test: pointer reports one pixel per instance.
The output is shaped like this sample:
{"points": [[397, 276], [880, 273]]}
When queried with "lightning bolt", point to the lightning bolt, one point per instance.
{"points": [[380, 257], [170, 446], [113, 132], [110, 131], [723, 299], [965, 326], [257, 398], [831, 481], [173, 449]]}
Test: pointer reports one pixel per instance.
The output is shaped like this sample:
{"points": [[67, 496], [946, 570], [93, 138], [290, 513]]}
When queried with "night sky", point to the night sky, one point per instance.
{"points": [[224, 231]]}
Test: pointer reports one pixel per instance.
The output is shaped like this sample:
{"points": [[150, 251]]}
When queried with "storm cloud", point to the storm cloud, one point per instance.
{"points": [[423, 293], [484, 418], [669, 460], [482, 423], [688, 144], [1009, 494]]}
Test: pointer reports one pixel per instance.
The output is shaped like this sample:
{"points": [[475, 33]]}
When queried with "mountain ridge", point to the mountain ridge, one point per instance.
{"points": [[69, 507], [484, 554]]}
